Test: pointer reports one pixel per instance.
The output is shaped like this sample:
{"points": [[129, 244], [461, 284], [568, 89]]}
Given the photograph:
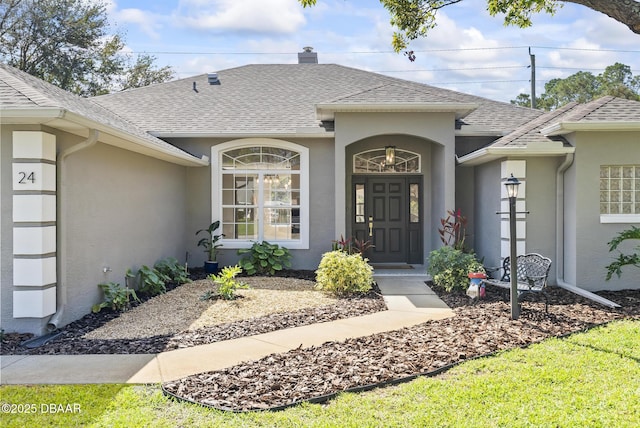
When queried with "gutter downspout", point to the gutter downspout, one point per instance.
{"points": [[560, 239], [61, 292]]}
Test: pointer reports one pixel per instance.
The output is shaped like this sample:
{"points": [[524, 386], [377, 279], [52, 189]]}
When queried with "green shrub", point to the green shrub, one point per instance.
{"points": [[149, 280], [264, 258], [116, 297], [173, 270], [227, 284], [449, 268], [632, 259], [341, 273]]}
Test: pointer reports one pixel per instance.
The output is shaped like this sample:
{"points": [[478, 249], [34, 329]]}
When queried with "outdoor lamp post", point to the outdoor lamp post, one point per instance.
{"points": [[512, 184]]}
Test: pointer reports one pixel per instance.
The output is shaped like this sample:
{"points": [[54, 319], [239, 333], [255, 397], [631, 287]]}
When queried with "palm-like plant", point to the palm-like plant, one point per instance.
{"points": [[210, 243]]}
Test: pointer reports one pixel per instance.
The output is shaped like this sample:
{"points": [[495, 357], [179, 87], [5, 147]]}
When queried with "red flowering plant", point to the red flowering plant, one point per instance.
{"points": [[453, 231]]}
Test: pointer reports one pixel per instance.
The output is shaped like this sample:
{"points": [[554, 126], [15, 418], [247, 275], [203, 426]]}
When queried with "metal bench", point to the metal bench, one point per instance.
{"points": [[532, 272]]}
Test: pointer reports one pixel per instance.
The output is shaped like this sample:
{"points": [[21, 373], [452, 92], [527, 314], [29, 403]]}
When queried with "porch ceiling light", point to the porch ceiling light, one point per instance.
{"points": [[390, 156], [512, 184]]}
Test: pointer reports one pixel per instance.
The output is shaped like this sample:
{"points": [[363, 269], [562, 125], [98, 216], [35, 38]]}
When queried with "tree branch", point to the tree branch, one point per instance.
{"points": [[624, 11]]}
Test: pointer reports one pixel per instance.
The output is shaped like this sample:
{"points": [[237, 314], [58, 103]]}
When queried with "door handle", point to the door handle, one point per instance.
{"points": [[370, 225]]}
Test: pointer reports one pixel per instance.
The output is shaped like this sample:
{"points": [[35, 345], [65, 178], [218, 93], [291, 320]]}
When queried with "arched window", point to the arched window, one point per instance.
{"points": [[375, 161], [263, 193]]}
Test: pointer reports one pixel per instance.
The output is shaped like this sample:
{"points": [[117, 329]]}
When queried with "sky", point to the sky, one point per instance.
{"points": [[469, 51]]}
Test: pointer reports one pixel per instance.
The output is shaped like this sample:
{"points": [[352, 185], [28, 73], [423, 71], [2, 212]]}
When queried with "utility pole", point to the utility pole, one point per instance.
{"points": [[533, 78]]}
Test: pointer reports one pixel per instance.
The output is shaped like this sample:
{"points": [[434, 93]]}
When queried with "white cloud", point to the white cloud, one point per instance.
{"points": [[144, 20], [262, 16], [147, 22]]}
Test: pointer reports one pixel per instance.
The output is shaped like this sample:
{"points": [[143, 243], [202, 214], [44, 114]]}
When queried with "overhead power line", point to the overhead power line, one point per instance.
{"points": [[387, 51]]}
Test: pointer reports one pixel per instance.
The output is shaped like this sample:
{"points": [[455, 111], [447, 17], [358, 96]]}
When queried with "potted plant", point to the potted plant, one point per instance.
{"points": [[211, 245]]}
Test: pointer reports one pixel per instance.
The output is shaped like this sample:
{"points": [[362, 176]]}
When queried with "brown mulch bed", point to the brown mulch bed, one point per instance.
{"points": [[478, 329]]}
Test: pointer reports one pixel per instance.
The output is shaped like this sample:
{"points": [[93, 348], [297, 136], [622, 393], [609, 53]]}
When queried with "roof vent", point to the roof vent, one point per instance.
{"points": [[307, 56], [213, 78]]}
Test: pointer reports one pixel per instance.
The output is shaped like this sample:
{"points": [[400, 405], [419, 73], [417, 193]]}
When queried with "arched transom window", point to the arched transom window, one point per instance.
{"points": [[378, 161], [261, 194]]}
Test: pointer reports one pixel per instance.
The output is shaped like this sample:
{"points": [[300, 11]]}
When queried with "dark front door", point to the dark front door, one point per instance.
{"points": [[387, 212]]}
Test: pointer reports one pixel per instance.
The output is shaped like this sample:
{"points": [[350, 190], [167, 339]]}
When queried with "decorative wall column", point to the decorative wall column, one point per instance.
{"points": [[519, 169], [34, 224]]}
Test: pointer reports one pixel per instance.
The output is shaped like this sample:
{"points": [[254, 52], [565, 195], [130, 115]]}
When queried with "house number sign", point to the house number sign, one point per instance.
{"points": [[36, 177], [26, 177]]}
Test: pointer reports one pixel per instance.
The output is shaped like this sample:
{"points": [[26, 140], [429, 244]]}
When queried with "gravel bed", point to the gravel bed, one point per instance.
{"points": [[477, 329], [179, 319]]}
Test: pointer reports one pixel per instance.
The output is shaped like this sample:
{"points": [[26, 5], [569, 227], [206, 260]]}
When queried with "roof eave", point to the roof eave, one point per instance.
{"points": [[65, 120], [327, 111], [38, 115], [489, 154], [562, 128], [238, 135]]}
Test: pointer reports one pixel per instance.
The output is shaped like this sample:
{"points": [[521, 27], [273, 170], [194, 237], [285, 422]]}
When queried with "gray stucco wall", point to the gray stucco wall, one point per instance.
{"points": [[592, 253], [123, 210], [541, 204], [486, 224], [465, 201], [321, 188]]}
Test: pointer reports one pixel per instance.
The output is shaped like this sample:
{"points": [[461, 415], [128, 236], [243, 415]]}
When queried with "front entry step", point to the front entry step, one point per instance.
{"points": [[381, 269]]}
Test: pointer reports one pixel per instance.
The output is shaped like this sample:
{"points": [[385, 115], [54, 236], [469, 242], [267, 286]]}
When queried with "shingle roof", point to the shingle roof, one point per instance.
{"points": [[530, 132], [605, 109], [281, 98], [20, 90]]}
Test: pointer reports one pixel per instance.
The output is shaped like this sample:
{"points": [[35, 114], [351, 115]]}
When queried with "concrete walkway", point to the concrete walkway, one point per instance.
{"points": [[409, 299]]}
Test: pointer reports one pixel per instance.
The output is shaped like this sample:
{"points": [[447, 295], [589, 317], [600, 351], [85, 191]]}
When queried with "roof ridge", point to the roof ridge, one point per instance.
{"points": [[536, 123], [363, 91], [590, 107], [21, 86]]}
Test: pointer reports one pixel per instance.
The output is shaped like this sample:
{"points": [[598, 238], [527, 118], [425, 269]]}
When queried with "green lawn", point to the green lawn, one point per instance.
{"points": [[589, 379]]}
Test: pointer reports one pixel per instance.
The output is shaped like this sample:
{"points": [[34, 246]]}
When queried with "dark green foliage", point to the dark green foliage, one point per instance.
{"points": [[69, 43], [149, 280], [617, 80], [624, 259], [449, 267], [172, 269], [116, 297], [210, 242], [264, 258]]}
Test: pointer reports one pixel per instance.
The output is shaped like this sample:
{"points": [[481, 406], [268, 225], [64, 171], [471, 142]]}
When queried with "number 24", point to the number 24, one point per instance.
{"points": [[24, 177]]}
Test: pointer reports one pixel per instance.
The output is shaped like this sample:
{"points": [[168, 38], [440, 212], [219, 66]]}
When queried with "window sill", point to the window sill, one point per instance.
{"points": [[620, 218], [290, 245]]}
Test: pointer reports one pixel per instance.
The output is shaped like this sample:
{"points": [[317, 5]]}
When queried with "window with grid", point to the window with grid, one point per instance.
{"points": [[619, 189], [374, 161], [261, 194]]}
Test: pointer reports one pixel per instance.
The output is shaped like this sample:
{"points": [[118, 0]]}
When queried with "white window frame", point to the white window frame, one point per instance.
{"points": [[619, 217], [216, 189]]}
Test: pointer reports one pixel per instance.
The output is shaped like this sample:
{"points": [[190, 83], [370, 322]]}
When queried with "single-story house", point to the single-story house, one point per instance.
{"points": [[295, 154]]}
